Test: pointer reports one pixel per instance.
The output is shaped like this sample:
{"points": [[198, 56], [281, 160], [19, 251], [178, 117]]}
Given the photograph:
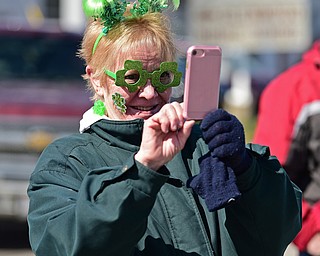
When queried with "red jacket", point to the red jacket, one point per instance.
{"points": [[282, 101], [289, 123]]}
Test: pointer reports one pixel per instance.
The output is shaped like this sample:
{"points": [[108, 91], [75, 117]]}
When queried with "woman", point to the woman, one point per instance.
{"points": [[139, 179]]}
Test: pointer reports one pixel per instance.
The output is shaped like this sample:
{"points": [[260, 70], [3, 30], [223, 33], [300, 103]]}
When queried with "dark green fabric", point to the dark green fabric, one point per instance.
{"points": [[88, 196]]}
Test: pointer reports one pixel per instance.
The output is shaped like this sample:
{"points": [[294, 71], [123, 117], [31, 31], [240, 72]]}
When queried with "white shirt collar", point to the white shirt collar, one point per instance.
{"points": [[88, 119]]}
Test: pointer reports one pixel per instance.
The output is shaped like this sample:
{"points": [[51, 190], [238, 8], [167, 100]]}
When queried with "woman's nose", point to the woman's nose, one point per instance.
{"points": [[148, 91]]}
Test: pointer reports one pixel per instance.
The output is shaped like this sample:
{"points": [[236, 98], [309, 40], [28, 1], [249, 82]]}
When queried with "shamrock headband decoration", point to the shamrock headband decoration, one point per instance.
{"points": [[111, 12]]}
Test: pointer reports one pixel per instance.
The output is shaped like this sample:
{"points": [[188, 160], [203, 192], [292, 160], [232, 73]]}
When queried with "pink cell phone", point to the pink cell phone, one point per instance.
{"points": [[202, 81]]}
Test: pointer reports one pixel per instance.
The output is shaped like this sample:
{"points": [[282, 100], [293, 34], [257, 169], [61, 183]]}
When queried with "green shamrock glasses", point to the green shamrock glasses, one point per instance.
{"points": [[133, 76]]}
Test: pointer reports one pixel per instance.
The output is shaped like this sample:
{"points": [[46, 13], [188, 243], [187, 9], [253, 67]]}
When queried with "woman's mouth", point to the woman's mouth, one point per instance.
{"points": [[143, 108], [142, 111]]}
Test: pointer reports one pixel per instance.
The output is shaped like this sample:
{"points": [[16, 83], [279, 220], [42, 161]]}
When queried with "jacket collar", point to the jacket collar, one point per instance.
{"points": [[117, 132]]}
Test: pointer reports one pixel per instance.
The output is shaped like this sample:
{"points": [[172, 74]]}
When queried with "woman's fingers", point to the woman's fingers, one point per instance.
{"points": [[170, 117]]}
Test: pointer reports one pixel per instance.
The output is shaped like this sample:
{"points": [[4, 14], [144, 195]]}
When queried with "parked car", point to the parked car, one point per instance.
{"points": [[42, 97]]}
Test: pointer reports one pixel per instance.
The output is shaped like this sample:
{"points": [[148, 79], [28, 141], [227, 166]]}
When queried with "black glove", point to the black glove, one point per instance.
{"points": [[224, 135], [216, 182]]}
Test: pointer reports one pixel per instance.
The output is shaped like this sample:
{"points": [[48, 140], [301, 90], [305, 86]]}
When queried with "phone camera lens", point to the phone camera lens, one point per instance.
{"points": [[194, 52]]}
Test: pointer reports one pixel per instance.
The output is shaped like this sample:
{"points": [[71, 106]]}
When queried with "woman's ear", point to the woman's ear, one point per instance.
{"points": [[95, 82]]}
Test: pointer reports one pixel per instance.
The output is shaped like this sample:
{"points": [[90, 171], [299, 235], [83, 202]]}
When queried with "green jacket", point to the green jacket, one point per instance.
{"points": [[88, 196]]}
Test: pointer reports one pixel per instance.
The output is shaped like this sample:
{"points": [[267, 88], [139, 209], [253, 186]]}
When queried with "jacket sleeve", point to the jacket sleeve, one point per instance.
{"points": [[103, 213], [276, 107], [267, 217]]}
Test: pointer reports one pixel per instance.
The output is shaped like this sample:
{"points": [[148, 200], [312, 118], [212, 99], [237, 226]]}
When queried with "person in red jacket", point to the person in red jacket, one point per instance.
{"points": [[289, 123]]}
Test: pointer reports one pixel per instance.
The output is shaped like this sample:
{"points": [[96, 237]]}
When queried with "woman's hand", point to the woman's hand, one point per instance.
{"points": [[164, 135], [224, 134]]}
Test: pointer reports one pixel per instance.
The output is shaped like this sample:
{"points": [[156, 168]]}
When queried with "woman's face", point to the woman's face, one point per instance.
{"points": [[144, 102]]}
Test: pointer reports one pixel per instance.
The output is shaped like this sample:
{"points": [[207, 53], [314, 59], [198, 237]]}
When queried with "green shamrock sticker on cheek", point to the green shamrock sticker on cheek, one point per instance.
{"points": [[119, 102]]}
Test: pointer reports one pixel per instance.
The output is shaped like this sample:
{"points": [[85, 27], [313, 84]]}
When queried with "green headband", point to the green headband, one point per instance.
{"points": [[111, 12]]}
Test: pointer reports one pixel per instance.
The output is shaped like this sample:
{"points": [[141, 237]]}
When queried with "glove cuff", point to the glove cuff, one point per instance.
{"points": [[244, 163], [216, 184]]}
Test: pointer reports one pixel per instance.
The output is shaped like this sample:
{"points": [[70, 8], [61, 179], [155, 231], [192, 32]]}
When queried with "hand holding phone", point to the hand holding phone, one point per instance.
{"points": [[202, 81]]}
